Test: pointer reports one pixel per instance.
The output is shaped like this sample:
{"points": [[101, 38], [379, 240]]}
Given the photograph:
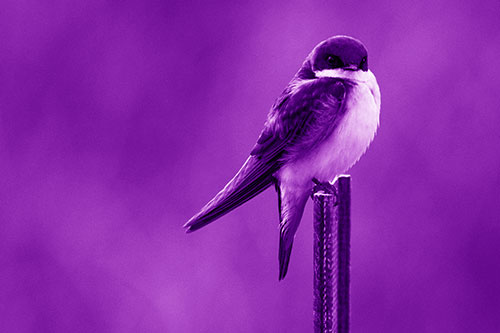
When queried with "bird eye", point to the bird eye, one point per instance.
{"points": [[362, 65], [334, 61]]}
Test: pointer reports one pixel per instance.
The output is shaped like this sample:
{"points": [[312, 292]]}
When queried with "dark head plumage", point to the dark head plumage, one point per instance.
{"points": [[340, 52], [337, 52]]}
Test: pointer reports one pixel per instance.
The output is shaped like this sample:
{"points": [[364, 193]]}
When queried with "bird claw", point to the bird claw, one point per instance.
{"points": [[326, 187]]}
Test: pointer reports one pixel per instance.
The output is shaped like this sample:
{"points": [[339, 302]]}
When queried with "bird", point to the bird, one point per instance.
{"points": [[319, 127]]}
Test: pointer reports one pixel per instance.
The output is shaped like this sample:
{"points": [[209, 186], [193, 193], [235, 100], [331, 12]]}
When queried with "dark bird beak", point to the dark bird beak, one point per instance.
{"points": [[350, 68]]}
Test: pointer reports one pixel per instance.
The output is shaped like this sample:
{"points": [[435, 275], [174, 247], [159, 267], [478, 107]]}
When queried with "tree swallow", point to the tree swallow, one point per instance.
{"points": [[319, 126]]}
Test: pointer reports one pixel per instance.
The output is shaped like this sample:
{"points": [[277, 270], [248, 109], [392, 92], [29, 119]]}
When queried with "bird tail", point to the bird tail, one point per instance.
{"points": [[291, 208], [253, 178]]}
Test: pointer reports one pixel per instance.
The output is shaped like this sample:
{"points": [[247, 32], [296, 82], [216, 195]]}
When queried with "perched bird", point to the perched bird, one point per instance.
{"points": [[317, 128]]}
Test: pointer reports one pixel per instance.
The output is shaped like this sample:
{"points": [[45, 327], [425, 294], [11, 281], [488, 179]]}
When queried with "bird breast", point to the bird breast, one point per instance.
{"points": [[350, 139]]}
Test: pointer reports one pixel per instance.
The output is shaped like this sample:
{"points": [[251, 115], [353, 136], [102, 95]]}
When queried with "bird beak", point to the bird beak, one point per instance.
{"points": [[351, 68]]}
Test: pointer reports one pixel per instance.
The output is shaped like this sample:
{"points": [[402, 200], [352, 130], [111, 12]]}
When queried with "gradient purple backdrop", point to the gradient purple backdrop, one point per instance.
{"points": [[119, 120]]}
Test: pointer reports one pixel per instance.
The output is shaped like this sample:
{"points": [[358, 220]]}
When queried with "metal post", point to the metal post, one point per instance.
{"points": [[332, 231]]}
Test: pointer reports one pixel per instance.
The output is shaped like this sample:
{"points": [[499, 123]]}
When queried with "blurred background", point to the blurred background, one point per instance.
{"points": [[119, 120]]}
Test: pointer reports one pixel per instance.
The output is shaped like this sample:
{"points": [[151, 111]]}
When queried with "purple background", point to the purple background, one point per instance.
{"points": [[119, 120]]}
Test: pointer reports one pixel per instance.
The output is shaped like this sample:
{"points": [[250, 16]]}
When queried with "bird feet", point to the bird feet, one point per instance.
{"points": [[326, 187]]}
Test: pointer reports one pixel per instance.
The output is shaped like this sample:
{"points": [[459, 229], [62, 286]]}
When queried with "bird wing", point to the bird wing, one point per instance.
{"points": [[290, 127], [304, 115], [253, 178]]}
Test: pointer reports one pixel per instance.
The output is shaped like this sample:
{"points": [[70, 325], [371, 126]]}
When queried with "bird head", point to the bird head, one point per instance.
{"points": [[337, 52]]}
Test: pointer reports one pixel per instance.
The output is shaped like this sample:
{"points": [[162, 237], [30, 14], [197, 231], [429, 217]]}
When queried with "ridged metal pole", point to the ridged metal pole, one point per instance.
{"points": [[332, 233]]}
